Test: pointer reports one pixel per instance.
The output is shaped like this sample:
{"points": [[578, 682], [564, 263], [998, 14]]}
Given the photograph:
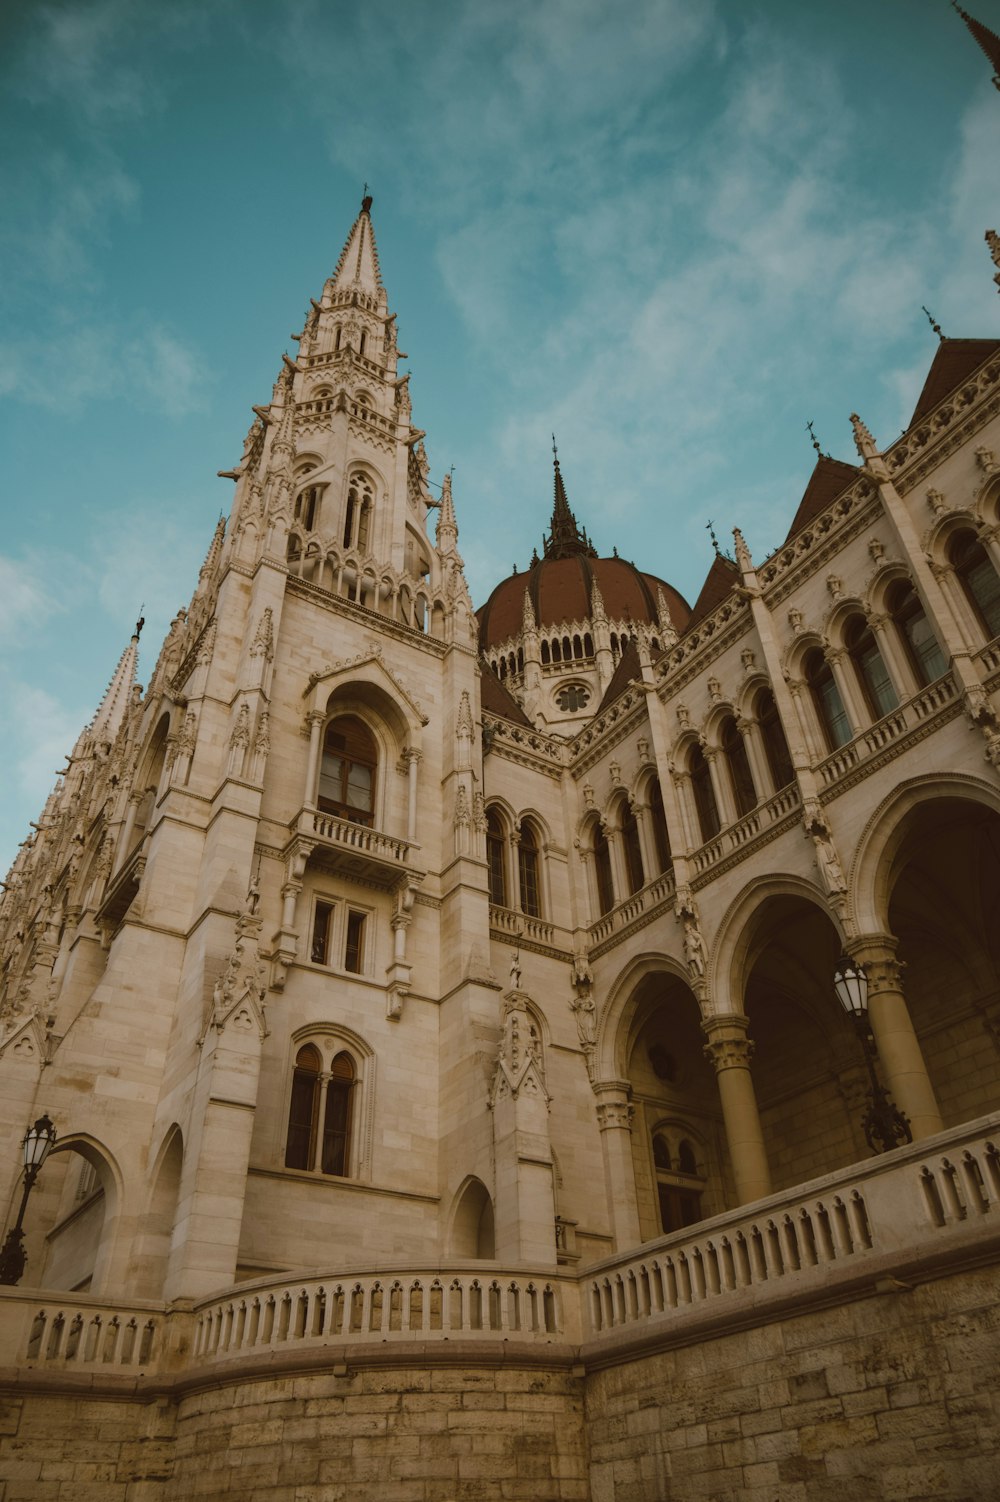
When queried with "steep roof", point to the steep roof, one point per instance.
{"points": [[496, 699], [828, 479], [629, 667], [719, 580], [954, 362]]}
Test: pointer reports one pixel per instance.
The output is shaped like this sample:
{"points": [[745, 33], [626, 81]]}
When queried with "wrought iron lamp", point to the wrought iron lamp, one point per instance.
{"points": [[883, 1123], [37, 1145]]}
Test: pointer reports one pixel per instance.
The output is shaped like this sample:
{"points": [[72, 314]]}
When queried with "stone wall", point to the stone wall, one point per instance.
{"points": [[59, 1445], [451, 1434], [893, 1397]]}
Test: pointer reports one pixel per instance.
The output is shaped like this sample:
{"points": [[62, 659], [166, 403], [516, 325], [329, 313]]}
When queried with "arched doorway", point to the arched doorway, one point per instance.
{"points": [[678, 1144], [943, 883], [808, 1072]]}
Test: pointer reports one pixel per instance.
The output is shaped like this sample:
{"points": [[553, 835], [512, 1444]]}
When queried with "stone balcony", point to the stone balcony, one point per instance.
{"points": [[353, 849], [877, 1227]]}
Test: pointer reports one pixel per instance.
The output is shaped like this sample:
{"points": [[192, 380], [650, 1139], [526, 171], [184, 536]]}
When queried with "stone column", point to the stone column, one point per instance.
{"points": [[614, 1117], [847, 687], [725, 800], [903, 1070], [729, 1050], [315, 720], [901, 673], [412, 756]]}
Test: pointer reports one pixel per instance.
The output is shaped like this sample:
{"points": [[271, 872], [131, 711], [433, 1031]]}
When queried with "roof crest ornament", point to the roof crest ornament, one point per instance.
{"points": [[815, 441], [863, 440], [935, 326]]}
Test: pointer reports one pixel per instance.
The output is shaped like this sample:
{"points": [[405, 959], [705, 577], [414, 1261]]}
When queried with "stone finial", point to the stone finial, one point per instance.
{"points": [[863, 440], [993, 241], [742, 552], [597, 602], [528, 622], [463, 720], [446, 532]]}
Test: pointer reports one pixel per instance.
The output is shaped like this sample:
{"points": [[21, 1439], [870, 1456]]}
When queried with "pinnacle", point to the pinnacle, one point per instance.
{"points": [[566, 538], [112, 708], [358, 267]]}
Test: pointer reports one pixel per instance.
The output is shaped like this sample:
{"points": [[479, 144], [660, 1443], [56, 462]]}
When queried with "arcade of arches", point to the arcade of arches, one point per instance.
{"points": [[934, 1008]]}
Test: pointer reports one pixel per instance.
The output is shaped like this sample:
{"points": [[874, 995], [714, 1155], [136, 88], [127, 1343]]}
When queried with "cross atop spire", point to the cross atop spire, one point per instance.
{"points": [[566, 537], [358, 266]]}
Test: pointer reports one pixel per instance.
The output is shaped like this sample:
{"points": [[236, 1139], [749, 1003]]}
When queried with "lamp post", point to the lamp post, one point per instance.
{"points": [[883, 1123], [37, 1145]]}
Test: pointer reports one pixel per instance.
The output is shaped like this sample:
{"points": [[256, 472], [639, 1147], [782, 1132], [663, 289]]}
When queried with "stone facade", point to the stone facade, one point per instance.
{"points": [[437, 1011]]}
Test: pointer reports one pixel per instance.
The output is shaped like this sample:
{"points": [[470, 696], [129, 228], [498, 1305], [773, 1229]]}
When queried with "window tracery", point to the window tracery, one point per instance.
{"points": [[348, 770], [320, 1112]]}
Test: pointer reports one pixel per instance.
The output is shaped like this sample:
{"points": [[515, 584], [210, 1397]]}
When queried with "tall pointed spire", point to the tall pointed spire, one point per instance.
{"points": [[112, 709], [566, 538], [358, 266], [986, 39]]}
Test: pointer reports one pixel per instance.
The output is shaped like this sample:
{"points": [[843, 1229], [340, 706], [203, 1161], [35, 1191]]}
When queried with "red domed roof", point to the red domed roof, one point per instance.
{"points": [[560, 591]]}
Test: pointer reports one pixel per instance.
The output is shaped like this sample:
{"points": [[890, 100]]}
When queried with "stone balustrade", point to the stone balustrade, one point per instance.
{"points": [[360, 838], [506, 920], [910, 719], [921, 1209]]}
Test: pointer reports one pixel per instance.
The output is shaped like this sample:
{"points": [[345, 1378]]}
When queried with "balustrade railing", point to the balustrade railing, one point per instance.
{"points": [[351, 836], [743, 833], [424, 1306], [939, 697], [889, 1208], [506, 920], [649, 897], [894, 1213]]}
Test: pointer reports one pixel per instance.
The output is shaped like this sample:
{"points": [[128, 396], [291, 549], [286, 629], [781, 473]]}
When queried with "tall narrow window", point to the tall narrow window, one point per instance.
{"points": [[495, 859], [979, 579], [300, 1145], [827, 702], [527, 867], [632, 848], [322, 924], [602, 871], [337, 1117], [906, 609], [704, 794], [679, 1185], [873, 675], [661, 835], [735, 751], [772, 733], [357, 514], [354, 945], [347, 772]]}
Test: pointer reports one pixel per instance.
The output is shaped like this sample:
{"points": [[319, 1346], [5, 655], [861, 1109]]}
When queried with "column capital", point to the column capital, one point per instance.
{"points": [[614, 1109], [877, 952], [728, 1046]]}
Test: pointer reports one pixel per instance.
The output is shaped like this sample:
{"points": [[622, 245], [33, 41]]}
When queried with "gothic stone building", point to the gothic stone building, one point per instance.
{"points": [[436, 1010]]}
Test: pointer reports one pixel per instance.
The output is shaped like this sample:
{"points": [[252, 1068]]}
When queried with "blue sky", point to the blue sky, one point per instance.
{"points": [[671, 230]]}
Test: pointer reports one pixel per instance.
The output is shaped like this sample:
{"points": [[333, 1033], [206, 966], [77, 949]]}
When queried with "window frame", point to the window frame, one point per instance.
{"points": [[341, 809]]}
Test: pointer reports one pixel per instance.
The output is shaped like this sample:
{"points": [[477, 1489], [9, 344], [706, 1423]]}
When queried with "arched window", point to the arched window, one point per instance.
{"points": [[317, 1097], [826, 699], [658, 818], [906, 609], [307, 506], [772, 733], [704, 794], [872, 673], [495, 842], [337, 1116], [679, 1183], [303, 1113], [735, 751], [347, 771], [979, 579], [527, 870], [546, 654], [602, 871], [632, 848], [357, 516]]}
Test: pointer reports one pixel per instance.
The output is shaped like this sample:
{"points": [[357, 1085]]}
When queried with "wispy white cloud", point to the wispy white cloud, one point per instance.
{"points": [[24, 601], [147, 367]]}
